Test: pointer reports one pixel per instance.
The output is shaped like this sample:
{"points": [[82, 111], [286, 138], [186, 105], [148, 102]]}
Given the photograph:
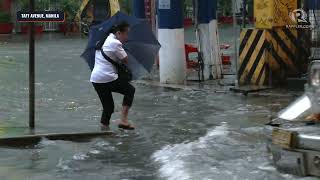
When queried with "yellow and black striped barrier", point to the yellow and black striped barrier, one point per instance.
{"points": [[271, 55]]}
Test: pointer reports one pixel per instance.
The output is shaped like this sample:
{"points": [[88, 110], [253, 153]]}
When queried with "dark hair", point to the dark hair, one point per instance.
{"points": [[122, 27]]}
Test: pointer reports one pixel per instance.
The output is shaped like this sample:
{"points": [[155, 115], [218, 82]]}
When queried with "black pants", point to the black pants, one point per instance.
{"points": [[105, 90]]}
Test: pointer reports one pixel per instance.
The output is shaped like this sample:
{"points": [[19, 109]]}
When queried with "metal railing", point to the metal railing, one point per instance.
{"points": [[52, 26]]}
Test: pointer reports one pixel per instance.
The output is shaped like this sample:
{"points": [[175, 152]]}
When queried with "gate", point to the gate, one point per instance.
{"points": [[52, 26]]}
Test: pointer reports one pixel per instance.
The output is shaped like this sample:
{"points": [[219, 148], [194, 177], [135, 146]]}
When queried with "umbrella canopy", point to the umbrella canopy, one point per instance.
{"points": [[142, 46]]}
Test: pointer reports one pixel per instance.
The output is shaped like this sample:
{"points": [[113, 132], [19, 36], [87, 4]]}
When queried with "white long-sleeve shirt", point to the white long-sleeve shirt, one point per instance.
{"points": [[103, 70]]}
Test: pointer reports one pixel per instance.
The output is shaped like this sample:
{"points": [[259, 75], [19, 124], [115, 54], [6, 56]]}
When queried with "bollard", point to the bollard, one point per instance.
{"points": [[171, 38], [209, 43]]}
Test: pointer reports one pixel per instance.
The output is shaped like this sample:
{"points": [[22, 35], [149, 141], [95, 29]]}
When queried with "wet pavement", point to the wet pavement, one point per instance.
{"points": [[182, 133]]}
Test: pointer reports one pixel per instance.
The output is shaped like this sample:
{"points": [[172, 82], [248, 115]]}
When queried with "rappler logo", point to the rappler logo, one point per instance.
{"points": [[299, 16], [300, 19]]}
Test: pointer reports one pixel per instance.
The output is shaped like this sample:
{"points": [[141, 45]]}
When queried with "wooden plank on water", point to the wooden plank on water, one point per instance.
{"points": [[20, 141], [34, 139], [75, 136]]}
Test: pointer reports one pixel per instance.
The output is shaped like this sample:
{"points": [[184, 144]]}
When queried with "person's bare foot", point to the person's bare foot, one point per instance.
{"points": [[125, 125], [104, 127]]}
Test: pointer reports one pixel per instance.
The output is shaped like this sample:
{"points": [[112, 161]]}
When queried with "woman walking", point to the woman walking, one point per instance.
{"points": [[105, 79]]}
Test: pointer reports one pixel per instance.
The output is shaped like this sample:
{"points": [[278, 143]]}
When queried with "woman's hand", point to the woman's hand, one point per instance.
{"points": [[125, 60]]}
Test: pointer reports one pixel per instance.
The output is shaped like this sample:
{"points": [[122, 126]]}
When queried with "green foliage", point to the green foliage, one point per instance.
{"points": [[70, 7], [40, 5], [250, 8], [225, 7], [188, 3], [126, 6], [5, 17]]}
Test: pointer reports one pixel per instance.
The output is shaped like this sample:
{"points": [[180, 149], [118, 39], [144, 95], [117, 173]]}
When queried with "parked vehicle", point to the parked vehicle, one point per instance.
{"points": [[295, 140]]}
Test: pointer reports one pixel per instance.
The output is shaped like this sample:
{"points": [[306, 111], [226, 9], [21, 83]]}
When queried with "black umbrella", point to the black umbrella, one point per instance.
{"points": [[142, 46]]}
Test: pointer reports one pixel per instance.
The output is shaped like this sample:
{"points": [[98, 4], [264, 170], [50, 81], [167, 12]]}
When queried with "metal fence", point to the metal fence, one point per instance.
{"points": [[312, 8], [52, 26]]}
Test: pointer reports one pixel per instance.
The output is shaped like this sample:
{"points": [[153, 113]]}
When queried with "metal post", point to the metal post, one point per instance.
{"points": [[244, 13], [31, 71], [198, 40], [79, 24], [153, 16], [235, 40]]}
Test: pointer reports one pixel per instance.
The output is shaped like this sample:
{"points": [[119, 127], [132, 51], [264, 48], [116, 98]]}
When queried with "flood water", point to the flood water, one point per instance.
{"points": [[180, 135]]}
